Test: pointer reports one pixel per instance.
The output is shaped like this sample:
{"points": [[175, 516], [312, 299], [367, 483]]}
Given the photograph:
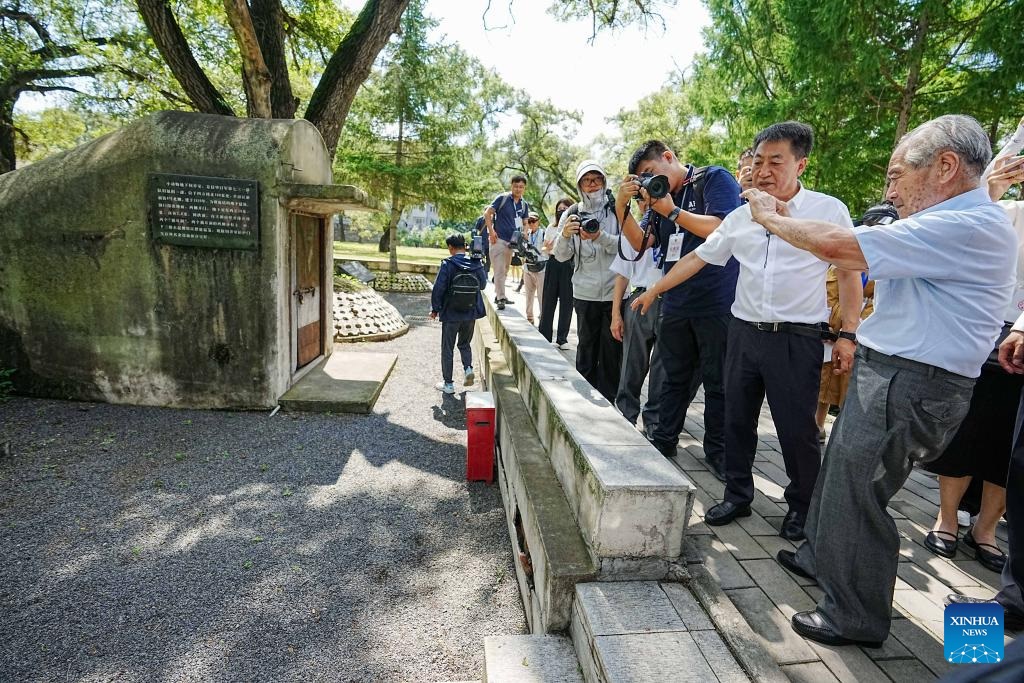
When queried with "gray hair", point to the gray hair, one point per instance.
{"points": [[955, 133]]}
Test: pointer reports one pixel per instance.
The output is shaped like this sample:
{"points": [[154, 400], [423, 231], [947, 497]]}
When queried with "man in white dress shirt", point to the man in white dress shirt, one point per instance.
{"points": [[775, 344]]}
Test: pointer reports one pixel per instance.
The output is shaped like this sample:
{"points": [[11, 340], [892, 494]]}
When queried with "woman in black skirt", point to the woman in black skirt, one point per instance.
{"points": [[980, 449]]}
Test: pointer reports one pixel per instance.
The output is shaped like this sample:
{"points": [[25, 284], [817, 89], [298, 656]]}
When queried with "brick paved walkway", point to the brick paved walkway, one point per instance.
{"points": [[741, 556]]}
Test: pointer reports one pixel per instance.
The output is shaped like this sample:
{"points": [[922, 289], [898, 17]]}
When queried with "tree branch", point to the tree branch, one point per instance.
{"points": [[255, 76], [30, 19], [174, 48], [268, 18], [350, 65]]}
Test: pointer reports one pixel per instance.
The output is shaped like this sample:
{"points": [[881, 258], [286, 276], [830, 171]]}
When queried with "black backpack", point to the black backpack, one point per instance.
{"points": [[463, 290]]}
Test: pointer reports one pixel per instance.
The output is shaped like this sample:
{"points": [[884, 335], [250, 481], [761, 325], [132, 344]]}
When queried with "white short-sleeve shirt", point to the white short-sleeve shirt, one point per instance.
{"points": [[777, 281]]}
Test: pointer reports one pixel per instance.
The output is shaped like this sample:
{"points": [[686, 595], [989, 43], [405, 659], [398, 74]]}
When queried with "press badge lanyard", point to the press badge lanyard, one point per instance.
{"points": [[519, 211], [675, 241]]}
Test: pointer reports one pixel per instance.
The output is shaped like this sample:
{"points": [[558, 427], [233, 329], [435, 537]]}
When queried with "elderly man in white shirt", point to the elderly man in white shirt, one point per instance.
{"points": [[943, 274], [775, 344]]}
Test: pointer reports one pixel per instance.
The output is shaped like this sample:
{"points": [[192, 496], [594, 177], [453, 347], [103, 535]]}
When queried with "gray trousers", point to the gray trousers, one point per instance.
{"points": [[452, 332], [897, 412], [1011, 596], [640, 356]]}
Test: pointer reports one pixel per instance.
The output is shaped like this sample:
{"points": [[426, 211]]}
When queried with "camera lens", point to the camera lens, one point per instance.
{"points": [[591, 226], [656, 186]]}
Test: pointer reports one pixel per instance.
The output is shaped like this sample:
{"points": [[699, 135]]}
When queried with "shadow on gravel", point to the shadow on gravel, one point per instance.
{"points": [[155, 544], [452, 411]]}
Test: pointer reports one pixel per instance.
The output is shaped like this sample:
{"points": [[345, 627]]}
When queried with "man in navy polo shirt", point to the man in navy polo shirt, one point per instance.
{"points": [[505, 215], [694, 315]]}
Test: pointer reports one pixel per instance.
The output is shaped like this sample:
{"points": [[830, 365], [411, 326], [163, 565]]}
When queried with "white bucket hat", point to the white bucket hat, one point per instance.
{"points": [[588, 165]]}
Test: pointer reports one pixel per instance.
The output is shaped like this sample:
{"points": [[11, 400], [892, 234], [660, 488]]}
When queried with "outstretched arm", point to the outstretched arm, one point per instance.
{"points": [[683, 270], [833, 243]]}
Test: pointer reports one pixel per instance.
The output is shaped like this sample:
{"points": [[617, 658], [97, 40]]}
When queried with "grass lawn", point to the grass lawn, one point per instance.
{"points": [[358, 252]]}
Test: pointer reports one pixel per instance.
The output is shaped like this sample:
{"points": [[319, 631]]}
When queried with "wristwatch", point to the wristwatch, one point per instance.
{"points": [[674, 214], [848, 335]]}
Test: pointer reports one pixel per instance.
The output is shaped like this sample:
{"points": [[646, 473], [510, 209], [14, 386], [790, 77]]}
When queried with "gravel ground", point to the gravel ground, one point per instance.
{"points": [[147, 544]]}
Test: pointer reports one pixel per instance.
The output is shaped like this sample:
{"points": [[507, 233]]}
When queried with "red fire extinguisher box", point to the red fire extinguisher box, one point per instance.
{"points": [[480, 436]]}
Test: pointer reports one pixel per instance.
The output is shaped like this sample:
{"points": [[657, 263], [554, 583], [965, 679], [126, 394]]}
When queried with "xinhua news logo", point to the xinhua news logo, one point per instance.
{"points": [[974, 633]]}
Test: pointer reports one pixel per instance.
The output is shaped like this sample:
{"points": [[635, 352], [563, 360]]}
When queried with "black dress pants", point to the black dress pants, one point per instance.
{"points": [[692, 349], [598, 353], [557, 291], [786, 368]]}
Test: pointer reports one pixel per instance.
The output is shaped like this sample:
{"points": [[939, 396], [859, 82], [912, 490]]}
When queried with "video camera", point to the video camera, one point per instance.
{"points": [[523, 249], [476, 247], [880, 214]]}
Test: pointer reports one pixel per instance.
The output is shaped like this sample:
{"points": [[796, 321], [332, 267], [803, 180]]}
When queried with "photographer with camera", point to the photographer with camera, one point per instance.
{"points": [[535, 260], [506, 214], [557, 286], [589, 239], [684, 209]]}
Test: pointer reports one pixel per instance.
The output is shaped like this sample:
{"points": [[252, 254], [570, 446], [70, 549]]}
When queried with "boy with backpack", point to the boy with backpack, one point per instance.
{"points": [[456, 300]]}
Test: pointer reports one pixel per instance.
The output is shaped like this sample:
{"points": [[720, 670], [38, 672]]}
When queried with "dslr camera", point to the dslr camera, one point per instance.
{"points": [[588, 222], [656, 185], [880, 214]]}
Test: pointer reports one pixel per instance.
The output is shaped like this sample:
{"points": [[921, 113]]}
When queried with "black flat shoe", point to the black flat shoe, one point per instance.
{"points": [[935, 542], [787, 558], [988, 559], [792, 527], [812, 625], [725, 512]]}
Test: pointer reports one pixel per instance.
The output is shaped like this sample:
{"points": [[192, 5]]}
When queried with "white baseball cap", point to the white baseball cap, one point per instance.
{"points": [[586, 166]]}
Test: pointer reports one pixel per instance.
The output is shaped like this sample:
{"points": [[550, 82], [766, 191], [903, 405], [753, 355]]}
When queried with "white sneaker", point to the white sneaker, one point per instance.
{"points": [[445, 387], [470, 377], [963, 518], [562, 346]]}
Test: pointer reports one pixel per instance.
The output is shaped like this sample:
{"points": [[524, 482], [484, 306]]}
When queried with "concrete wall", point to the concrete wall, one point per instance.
{"points": [[91, 308]]}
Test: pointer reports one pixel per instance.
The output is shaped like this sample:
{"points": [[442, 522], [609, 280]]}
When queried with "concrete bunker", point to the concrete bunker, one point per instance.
{"points": [[183, 260]]}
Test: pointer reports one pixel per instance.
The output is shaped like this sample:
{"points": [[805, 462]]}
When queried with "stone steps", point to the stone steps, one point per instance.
{"points": [[648, 631], [530, 659]]}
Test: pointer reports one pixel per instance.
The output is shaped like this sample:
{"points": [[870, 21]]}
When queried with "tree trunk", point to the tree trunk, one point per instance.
{"points": [[268, 20], [396, 199], [173, 47], [384, 243], [350, 65], [8, 161], [916, 55], [255, 76]]}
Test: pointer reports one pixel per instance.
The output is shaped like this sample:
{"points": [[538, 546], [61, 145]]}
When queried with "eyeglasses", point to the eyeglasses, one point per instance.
{"points": [[592, 180], [532, 220]]}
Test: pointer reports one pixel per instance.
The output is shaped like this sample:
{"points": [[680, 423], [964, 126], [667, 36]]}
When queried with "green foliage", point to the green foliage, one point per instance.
{"points": [[56, 130], [861, 74]]}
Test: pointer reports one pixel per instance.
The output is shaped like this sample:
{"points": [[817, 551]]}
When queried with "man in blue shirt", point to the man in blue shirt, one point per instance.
{"points": [[695, 316], [456, 299], [943, 274], [506, 214]]}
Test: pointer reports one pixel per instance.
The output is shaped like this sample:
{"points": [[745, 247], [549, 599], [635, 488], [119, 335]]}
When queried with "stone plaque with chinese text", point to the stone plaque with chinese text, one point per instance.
{"points": [[199, 211]]}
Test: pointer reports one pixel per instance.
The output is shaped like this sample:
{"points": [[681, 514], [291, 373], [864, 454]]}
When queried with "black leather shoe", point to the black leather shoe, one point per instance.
{"points": [[1012, 621], [716, 468], [787, 558], [725, 512], [792, 527], [812, 625], [942, 543]]}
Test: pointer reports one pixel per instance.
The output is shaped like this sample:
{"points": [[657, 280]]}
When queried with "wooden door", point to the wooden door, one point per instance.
{"points": [[308, 291]]}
